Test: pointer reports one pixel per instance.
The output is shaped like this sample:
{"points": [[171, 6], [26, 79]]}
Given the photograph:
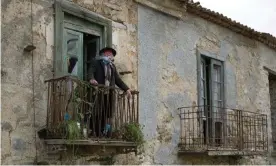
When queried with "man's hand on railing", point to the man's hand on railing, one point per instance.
{"points": [[93, 82], [128, 92]]}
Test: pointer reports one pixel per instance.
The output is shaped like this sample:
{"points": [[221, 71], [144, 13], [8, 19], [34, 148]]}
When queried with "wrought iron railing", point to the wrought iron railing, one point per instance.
{"points": [[205, 128], [97, 111]]}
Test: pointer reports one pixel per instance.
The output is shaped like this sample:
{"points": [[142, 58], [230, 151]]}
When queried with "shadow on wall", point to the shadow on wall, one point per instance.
{"points": [[208, 160], [272, 93]]}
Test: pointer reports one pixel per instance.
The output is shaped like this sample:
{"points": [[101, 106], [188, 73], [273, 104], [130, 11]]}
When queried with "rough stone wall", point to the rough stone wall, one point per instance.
{"points": [[18, 128], [168, 78]]}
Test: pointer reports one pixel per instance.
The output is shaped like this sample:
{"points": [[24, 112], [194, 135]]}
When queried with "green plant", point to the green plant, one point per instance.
{"points": [[71, 133], [133, 132], [72, 130]]}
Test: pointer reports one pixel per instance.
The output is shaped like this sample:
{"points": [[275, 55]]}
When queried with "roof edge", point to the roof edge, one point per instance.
{"points": [[217, 18]]}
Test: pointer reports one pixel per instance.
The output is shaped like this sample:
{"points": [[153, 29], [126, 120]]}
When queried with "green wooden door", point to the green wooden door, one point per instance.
{"points": [[73, 48], [218, 112]]}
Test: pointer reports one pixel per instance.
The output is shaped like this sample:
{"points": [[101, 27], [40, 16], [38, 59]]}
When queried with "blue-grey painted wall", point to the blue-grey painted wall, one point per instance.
{"points": [[167, 76]]}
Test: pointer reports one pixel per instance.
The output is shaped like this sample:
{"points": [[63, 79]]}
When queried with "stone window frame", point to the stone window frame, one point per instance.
{"points": [[61, 8]]}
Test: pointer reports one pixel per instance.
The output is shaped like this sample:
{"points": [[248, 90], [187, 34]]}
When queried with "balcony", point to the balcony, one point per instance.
{"points": [[273, 126], [219, 131], [80, 114]]}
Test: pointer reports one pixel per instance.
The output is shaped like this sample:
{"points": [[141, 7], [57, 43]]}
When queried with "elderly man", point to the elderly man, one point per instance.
{"points": [[103, 72]]}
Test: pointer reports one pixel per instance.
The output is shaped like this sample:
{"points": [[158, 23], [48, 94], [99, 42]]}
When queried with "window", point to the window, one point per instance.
{"points": [[211, 97], [79, 35], [211, 83]]}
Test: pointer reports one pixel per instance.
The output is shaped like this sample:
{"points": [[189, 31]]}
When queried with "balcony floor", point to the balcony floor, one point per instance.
{"points": [[224, 152], [92, 142]]}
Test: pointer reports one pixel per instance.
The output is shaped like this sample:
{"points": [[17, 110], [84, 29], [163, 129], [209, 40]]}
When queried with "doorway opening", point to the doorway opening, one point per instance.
{"points": [[211, 97], [91, 47], [272, 93]]}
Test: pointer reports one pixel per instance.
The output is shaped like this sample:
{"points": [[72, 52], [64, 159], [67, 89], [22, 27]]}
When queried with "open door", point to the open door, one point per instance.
{"points": [[217, 114], [73, 53], [91, 50]]}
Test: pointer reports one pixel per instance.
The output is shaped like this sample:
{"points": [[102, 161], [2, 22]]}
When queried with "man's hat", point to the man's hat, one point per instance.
{"points": [[108, 49]]}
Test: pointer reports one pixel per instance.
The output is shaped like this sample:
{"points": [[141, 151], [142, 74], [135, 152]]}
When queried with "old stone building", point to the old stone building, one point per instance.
{"points": [[174, 52]]}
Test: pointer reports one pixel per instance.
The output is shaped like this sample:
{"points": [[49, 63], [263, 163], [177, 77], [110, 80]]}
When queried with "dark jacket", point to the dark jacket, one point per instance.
{"points": [[96, 71]]}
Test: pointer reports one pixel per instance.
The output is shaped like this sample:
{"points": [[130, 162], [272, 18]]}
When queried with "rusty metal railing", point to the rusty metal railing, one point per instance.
{"points": [[205, 128], [99, 111]]}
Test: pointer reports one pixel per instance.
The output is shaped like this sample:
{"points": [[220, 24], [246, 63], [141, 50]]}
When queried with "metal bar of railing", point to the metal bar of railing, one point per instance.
{"points": [[48, 100]]}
